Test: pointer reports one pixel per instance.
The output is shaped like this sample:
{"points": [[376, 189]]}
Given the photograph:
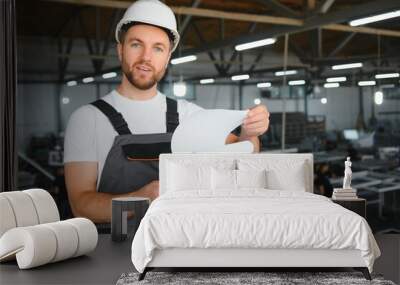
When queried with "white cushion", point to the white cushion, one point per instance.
{"points": [[187, 175], [223, 179], [251, 178], [290, 181], [183, 177], [282, 174]]}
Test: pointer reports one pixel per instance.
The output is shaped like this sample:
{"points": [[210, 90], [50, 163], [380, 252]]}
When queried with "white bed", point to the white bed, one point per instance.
{"points": [[198, 223]]}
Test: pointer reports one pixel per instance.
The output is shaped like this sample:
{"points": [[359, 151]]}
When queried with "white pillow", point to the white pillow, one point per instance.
{"points": [[223, 179], [183, 177], [189, 174], [251, 178], [293, 180], [282, 174]]}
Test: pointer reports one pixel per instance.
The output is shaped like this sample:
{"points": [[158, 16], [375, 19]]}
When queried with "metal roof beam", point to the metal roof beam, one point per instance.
{"points": [[282, 9], [326, 21], [342, 44]]}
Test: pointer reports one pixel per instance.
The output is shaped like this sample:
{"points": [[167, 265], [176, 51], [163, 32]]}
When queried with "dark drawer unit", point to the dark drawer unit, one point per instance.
{"points": [[355, 205]]}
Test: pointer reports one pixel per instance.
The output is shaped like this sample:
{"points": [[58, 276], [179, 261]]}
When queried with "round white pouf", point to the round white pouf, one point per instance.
{"points": [[87, 235], [33, 246], [45, 206], [7, 218], [23, 208], [67, 240]]}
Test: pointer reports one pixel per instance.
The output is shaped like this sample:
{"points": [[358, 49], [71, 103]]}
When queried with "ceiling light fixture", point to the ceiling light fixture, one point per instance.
{"points": [[375, 18], [207, 81], [255, 44], [287, 72], [347, 66], [387, 75], [378, 97], [179, 89], [331, 85], [87, 79], [264, 84], [183, 59], [336, 79], [297, 82], [366, 83], [72, 83], [109, 75], [240, 77]]}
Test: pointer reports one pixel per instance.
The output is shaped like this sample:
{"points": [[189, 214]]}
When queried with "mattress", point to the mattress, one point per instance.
{"points": [[251, 219]]}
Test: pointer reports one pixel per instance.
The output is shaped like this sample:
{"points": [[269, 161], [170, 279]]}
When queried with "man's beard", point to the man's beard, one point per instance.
{"points": [[137, 81]]}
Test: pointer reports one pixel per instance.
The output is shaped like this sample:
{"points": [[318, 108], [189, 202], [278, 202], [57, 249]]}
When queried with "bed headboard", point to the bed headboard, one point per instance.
{"points": [[306, 158]]}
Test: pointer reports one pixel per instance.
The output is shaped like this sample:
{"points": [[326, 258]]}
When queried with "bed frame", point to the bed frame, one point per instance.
{"points": [[245, 259], [248, 259]]}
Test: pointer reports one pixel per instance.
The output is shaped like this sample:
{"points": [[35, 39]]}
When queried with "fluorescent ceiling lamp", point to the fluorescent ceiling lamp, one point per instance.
{"points": [[109, 75], [207, 81], [264, 84], [331, 85], [65, 100], [72, 83], [240, 77], [87, 79], [336, 79], [366, 83], [255, 44], [183, 59], [375, 18], [257, 101], [324, 100], [297, 82], [287, 72], [387, 75], [378, 97], [347, 66], [179, 89]]}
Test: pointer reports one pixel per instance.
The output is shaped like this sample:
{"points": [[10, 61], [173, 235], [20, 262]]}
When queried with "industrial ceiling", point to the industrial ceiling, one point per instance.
{"points": [[81, 36]]}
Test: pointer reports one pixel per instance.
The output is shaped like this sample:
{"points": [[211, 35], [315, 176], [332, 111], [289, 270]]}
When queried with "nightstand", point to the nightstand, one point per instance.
{"points": [[122, 207], [357, 205]]}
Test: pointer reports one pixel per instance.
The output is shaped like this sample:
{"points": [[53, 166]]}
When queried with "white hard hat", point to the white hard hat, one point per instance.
{"points": [[151, 12]]}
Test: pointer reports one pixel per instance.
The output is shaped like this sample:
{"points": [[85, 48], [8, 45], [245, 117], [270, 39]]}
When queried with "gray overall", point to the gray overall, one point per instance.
{"points": [[132, 161]]}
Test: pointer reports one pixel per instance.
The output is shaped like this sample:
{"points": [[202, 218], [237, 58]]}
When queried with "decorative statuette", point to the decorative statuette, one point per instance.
{"points": [[347, 174]]}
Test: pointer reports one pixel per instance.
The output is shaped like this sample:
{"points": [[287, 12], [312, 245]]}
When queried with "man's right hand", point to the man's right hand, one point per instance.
{"points": [[150, 190]]}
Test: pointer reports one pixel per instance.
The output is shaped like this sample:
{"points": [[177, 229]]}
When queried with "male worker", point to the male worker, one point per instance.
{"points": [[112, 145]]}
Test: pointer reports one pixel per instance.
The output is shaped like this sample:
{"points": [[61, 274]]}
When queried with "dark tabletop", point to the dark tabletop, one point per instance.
{"points": [[104, 265]]}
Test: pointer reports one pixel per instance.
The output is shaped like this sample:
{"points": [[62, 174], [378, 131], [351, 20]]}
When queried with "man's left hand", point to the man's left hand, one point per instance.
{"points": [[256, 122]]}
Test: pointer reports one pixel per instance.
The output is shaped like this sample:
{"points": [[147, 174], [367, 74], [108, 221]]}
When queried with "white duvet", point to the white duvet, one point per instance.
{"points": [[253, 218]]}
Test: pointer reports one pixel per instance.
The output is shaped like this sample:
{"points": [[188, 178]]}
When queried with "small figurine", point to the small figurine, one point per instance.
{"points": [[347, 174]]}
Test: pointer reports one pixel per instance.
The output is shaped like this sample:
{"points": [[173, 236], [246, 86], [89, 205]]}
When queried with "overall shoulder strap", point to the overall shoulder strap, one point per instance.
{"points": [[116, 119], [172, 114]]}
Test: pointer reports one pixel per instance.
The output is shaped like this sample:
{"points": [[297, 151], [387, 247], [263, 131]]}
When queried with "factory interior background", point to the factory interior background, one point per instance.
{"points": [[66, 57]]}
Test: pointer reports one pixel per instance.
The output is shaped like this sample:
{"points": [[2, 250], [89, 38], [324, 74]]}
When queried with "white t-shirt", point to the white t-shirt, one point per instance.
{"points": [[89, 135]]}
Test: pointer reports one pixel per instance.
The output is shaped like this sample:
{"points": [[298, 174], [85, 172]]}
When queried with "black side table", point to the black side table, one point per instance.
{"points": [[357, 205], [119, 219]]}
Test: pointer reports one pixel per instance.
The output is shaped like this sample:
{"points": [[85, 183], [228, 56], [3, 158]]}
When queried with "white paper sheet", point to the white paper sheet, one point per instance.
{"points": [[207, 130]]}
